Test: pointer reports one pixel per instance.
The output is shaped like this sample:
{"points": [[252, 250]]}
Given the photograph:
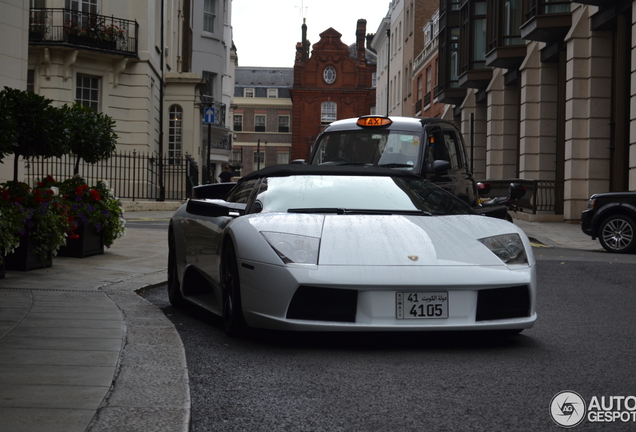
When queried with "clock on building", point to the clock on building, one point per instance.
{"points": [[329, 75]]}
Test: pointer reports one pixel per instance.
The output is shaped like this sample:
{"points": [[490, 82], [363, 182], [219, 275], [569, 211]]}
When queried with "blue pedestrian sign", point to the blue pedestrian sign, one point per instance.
{"points": [[208, 115]]}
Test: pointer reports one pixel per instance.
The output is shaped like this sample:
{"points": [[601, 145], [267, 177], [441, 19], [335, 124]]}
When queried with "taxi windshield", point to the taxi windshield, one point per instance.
{"points": [[388, 148]]}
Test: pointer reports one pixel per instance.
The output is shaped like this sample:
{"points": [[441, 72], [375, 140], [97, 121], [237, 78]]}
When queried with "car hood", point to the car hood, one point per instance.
{"points": [[394, 240], [404, 240]]}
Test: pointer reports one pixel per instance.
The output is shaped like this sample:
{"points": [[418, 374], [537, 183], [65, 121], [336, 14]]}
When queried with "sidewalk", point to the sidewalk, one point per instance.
{"points": [[80, 351]]}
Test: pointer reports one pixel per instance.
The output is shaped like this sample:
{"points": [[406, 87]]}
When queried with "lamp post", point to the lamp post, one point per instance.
{"points": [[258, 154]]}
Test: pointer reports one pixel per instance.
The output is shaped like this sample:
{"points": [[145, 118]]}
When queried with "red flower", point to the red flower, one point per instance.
{"points": [[95, 194], [73, 237]]}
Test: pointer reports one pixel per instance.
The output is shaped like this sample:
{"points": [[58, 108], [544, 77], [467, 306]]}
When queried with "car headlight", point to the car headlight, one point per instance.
{"points": [[292, 248], [508, 247]]}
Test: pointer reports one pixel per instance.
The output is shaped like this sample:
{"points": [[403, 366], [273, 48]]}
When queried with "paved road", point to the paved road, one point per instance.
{"points": [[583, 341]]}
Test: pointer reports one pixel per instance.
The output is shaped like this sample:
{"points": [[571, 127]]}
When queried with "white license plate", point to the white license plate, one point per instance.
{"points": [[421, 305]]}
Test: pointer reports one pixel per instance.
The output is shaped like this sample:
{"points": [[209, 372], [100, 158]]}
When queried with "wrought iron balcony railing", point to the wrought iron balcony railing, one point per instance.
{"points": [[80, 29]]}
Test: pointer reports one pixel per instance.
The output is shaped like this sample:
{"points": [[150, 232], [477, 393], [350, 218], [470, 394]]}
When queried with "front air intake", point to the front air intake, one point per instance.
{"points": [[503, 303], [323, 304]]}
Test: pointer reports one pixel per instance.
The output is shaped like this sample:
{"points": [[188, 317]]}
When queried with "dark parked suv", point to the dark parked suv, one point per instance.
{"points": [[612, 218], [431, 147]]}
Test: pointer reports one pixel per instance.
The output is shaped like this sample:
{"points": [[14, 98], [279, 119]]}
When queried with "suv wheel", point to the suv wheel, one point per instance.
{"points": [[616, 234]]}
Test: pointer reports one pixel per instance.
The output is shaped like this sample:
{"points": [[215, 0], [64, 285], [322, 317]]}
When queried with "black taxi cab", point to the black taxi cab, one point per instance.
{"points": [[430, 147]]}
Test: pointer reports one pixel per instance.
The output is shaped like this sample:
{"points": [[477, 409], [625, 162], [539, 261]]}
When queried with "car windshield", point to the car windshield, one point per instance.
{"points": [[384, 147], [357, 194]]}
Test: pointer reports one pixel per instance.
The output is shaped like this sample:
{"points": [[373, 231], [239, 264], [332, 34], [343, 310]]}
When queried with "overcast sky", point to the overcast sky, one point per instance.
{"points": [[266, 32]]}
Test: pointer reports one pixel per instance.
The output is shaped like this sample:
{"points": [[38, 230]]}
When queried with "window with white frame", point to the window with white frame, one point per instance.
{"points": [[283, 123], [248, 92], [237, 156], [272, 92], [175, 134], [87, 91], [328, 112], [209, 15], [238, 122], [282, 157], [259, 122]]}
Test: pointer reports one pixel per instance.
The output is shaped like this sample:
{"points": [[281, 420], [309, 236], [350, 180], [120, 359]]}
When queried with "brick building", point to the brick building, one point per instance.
{"points": [[261, 116], [335, 82]]}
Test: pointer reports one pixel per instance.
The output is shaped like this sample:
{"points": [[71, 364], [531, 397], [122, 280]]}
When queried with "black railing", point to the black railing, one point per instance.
{"points": [[71, 27], [541, 195], [131, 175]]}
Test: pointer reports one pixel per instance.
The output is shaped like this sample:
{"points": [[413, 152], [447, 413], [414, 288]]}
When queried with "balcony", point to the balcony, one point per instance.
{"points": [[546, 20], [71, 28]]}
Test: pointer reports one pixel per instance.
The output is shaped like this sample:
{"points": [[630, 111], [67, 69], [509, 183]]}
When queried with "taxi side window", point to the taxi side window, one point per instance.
{"points": [[436, 147], [452, 147]]}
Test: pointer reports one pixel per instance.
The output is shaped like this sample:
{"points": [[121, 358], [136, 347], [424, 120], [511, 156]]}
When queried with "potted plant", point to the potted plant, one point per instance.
{"points": [[11, 223], [96, 218], [41, 220]]}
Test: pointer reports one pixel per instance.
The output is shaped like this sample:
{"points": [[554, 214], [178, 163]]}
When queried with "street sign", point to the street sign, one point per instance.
{"points": [[208, 115]]}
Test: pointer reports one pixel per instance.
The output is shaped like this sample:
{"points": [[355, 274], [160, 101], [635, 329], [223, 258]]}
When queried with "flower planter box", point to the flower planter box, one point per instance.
{"points": [[91, 42], [23, 257], [89, 243]]}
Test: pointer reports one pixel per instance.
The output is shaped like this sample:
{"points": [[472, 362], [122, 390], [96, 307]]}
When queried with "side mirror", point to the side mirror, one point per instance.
{"points": [[213, 208], [440, 166]]}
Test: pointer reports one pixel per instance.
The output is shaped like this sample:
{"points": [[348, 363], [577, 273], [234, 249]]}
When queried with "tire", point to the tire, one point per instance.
{"points": [[174, 290], [233, 321], [616, 234]]}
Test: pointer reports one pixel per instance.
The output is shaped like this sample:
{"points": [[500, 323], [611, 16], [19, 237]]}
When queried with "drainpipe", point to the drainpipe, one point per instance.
{"points": [[162, 189], [388, 68]]}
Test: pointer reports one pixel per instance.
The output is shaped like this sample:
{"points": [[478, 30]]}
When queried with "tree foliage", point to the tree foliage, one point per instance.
{"points": [[91, 135], [36, 127]]}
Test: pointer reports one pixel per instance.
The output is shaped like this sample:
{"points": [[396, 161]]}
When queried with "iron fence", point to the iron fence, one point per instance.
{"points": [[132, 175]]}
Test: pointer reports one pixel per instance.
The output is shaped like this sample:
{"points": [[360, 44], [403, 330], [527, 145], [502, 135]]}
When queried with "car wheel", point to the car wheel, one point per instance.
{"points": [[233, 320], [616, 234], [174, 292]]}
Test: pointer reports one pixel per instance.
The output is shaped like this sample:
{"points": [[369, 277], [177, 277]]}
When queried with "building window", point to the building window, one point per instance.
{"points": [[175, 134], [329, 75], [87, 91], [248, 92], [283, 123], [259, 159], [209, 15], [237, 156], [259, 123], [557, 6], [30, 81], [272, 93], [210, 79], [238, 122], [282, 158], [328, 112], [479, 36], [454, 57]]}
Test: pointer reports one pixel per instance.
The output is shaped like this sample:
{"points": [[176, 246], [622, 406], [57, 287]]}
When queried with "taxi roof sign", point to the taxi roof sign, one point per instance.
{"points": [[373, 121]]}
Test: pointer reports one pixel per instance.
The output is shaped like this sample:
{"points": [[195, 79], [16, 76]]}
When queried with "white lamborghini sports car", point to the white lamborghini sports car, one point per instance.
{"points": [[349, 248]]}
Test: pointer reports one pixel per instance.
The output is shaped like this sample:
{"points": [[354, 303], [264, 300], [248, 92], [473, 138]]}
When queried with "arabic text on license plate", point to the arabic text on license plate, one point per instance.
{"points": [[421, 305]]}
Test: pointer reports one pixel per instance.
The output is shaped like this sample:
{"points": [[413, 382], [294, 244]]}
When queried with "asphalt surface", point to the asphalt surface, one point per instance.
{"points": [[80, 350]]}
